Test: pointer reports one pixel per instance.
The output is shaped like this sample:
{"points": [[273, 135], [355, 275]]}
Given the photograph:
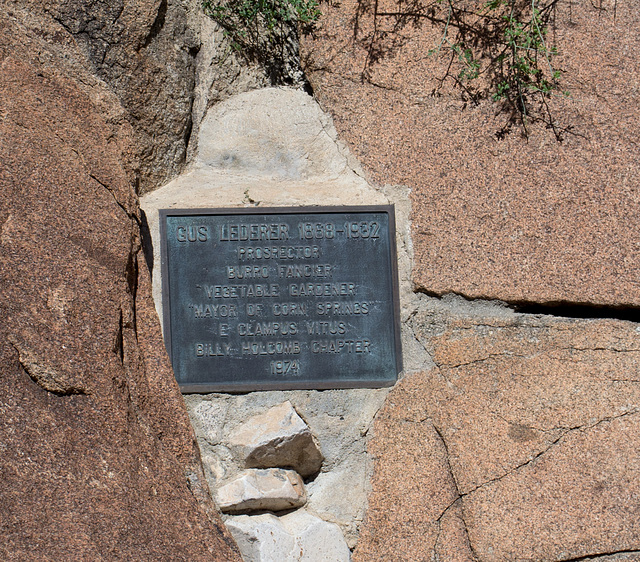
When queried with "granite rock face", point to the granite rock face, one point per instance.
{"points": [[521, 441], [146, 52], [496, 216], [99, 461]]}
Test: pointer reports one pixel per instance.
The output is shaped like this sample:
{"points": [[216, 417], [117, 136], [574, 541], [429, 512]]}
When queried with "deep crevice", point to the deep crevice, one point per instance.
{"points": [[134, 292], [307, 87], [121, 205], [562, 309], [118, 346], [146, 242], [569, 310], [601, 556]]}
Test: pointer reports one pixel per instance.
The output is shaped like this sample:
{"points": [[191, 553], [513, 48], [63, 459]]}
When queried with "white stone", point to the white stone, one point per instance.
{"points": [[262, 538], [296, 537], [272, 489], [316, 540], [272, 147], [277, 438]]}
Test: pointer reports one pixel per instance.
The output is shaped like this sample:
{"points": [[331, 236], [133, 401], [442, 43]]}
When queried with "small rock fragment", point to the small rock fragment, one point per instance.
{"points": [[262, 538], [277, 438], [316, 540], [296, 537], [273, 489]]}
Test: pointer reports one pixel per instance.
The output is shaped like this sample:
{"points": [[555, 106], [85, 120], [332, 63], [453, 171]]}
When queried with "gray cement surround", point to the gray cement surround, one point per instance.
{"points": [[275, 147]]}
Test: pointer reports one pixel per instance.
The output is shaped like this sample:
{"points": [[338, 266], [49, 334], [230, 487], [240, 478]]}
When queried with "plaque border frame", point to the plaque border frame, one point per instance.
{"points": [[194, 388]]}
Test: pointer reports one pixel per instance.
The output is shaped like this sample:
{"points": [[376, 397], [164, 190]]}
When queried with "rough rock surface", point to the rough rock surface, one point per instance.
{"points": [[145, 51], [220, 74], [99, 461], [496, 216], [277, 438], [272, 489], [261, 538], [521, 443], [316, 540], [165, 60], [296, 537]]}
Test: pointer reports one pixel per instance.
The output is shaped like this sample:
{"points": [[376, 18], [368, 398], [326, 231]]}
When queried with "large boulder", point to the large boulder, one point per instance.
{"points": [[520, 444], [519, 441], [495, 215], [98, 459], [145, 51]]}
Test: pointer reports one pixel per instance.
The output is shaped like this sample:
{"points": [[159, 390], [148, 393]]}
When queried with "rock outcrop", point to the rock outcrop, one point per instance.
{"points": [[164, 61], [145, 52], [518, 445], [495, 215], [511, 437], [518, 442], [98, 459]]}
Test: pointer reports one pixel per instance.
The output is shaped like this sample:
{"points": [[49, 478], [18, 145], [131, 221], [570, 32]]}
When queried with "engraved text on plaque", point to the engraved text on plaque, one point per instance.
{"points": [[287, 298]]}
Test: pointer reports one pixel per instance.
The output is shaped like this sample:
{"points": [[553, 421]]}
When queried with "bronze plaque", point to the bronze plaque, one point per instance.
{"points": [[281, 298]]}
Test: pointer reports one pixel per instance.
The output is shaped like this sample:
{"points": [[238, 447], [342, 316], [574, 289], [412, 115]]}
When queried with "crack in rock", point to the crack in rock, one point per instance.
{"points": [[44, 375], [602, 556], [566, 431], [457, 499]]}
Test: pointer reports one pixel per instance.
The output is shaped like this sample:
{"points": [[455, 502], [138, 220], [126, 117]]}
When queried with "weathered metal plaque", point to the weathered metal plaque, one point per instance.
{"points": [[286, 298]]}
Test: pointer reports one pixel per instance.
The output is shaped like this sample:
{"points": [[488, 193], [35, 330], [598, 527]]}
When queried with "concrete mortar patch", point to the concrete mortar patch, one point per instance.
{"points": [[238, 144], [239, 141], [340, 419]]}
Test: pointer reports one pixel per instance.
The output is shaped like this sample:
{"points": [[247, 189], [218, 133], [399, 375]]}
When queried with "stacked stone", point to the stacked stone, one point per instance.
{"points": [[277, 451]]}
